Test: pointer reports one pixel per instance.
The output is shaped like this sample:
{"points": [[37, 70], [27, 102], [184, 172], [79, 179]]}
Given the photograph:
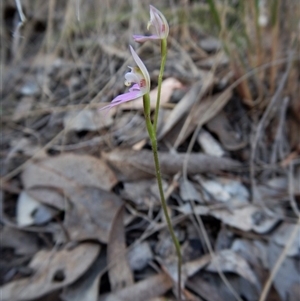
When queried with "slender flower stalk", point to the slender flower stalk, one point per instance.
{"points": [[153, 139], [139, 77], [160, 27]]}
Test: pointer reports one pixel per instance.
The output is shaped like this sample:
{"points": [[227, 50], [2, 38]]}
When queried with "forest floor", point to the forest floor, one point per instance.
{"points": [[81, 214]]}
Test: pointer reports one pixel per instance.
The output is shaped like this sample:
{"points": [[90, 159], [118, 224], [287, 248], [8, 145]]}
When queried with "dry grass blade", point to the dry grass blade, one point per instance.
{"points": [[279, 262]]}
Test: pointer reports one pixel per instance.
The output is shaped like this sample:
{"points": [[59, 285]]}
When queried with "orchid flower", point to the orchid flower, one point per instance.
{"points": [[159, 24], [139, 77]]}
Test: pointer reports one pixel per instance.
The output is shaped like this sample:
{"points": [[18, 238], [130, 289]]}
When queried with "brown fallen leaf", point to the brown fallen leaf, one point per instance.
{"points": [[86, 288], [182, 108], [91, 213], [48, 196], [193, 266], [229, 261], [68, 170], [120, 274], [151, 287], [131, 165], [188, 269], [52, 271], [204, 289], [22, 242], [246, 218], [144, 194]]}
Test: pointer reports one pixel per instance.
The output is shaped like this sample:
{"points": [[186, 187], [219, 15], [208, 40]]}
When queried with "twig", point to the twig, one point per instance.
{"points": [[291, 189], [277, 147]]}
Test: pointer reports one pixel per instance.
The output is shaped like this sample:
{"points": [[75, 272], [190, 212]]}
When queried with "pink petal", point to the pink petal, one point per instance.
{"points": [[135, 87], [123, 98], [133, 94], [141, 39]]}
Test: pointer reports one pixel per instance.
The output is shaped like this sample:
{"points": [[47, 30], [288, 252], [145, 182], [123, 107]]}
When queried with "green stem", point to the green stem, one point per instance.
{"points": [[164, 51], [152, 135]]}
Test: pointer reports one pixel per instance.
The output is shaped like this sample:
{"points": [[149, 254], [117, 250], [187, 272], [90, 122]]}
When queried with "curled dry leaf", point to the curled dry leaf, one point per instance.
{"points": [[30, 211], [69, 170], [246, 218], [91, 213], [52, 271], [209, 144], [131, 165]]}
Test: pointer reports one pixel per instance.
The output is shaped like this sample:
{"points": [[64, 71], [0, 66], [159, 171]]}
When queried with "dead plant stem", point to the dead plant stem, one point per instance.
{"points": [[266, 119]]}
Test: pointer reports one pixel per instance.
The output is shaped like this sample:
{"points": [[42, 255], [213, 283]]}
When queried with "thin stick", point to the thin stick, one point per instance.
{"points": [[279, 262]]}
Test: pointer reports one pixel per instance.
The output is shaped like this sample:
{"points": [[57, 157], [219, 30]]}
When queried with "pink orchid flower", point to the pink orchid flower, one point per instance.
{"points": [[159, 24], [139, 77]]}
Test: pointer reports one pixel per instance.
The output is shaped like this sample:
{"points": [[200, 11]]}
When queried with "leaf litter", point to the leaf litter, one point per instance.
{"points": [[77, 180]]}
